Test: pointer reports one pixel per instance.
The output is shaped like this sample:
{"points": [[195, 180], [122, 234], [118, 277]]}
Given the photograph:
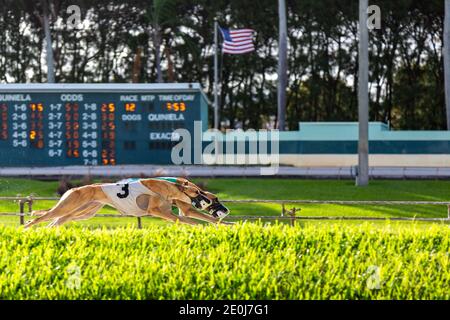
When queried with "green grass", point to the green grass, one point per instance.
{"points": [[284, 189], [108, 258], [245, 261]]}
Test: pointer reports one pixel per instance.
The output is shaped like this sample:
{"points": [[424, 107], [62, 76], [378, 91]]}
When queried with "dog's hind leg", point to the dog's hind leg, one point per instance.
{"points": [[39, 212], [62, 199], [88, 212], [85, 212], [69, 202], [54, 222]]}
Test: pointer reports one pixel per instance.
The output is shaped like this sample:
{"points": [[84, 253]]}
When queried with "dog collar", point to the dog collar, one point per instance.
{"points": [[168, 179]]}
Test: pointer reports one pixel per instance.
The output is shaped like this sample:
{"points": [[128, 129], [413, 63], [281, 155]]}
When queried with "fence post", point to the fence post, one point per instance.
{"points": [[283, 209], [139, 222], [448, 212], [293, 217], [30, 204], [21, 215]]}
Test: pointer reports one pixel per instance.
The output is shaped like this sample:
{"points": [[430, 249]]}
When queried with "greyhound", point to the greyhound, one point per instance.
{"points": [[137, 197]]}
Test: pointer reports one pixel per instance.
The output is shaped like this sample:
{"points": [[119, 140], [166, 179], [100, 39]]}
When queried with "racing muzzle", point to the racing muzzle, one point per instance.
{"points": [[218, 210], [201, 202]]}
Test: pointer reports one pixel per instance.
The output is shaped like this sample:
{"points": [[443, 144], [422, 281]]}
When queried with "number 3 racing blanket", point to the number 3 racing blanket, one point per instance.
{"points": [[123, 195]]}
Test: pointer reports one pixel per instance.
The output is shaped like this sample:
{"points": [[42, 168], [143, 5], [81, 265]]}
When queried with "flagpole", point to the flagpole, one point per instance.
{"points": [[216, 78], [282, 65], [362, 178]]}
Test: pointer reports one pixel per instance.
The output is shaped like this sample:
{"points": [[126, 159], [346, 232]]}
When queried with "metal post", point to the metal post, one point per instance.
{"points": [[216, 77], [30, 204], [48, 42], [448, 212], [282, 64], [139, 220], [22, 211], [362, 178], [283, 210], [446, 54], [293, 217]]}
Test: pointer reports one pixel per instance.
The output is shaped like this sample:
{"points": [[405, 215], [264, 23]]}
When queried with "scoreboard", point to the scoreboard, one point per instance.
{"points": [[95, 124]]}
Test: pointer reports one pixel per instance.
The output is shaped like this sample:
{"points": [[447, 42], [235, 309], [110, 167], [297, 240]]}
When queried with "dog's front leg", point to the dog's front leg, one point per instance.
{"points": [[156, 212], [188, 211], [162, 209]]}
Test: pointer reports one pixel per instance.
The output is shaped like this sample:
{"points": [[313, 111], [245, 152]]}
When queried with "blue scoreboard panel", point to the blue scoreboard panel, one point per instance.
{"points": [[95, 124]]}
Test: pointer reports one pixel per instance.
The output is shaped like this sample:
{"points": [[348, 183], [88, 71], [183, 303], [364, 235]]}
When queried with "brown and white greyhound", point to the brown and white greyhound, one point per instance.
{"points": [[137, 197]]}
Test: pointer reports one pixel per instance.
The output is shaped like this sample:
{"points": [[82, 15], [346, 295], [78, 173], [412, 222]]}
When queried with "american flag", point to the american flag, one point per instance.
{"points": [[237, 41]]}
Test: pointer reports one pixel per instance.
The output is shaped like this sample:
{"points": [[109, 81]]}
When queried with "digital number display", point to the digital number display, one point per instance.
{"points": [[37, 125], [130, 107], [108, 134], [3, 121], [72, 126], [176, 106], [64, 127]]}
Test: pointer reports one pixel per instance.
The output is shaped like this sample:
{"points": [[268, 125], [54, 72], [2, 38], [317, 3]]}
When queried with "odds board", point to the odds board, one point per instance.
{"points": [[95, 124]]}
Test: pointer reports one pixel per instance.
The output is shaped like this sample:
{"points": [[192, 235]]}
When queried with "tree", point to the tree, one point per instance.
{"points": [[406, 74], [166, 24]]}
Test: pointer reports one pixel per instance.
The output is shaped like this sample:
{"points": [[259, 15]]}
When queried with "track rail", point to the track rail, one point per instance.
{"points": [[341, 202], [290, 215]]}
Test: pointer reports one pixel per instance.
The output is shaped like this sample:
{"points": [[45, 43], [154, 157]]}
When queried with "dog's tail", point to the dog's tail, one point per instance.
{"points": [[38, 212]]}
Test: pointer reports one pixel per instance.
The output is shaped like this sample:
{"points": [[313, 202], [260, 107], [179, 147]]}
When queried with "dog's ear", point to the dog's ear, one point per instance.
{"points": [[179, 187], [182, 181]]}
